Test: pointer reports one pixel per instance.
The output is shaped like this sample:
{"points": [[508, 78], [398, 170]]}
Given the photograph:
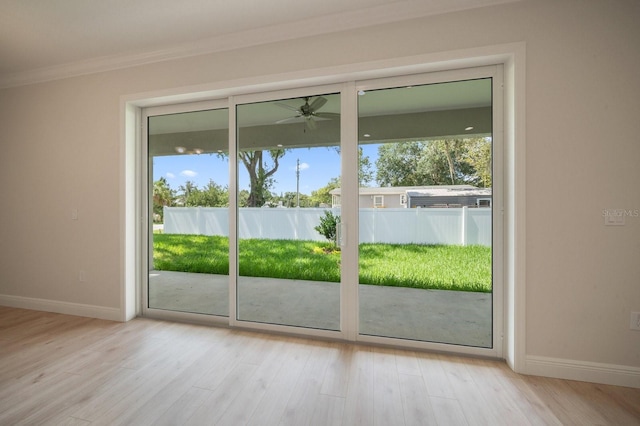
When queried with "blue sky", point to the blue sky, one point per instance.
{"points": [[317, 167]]}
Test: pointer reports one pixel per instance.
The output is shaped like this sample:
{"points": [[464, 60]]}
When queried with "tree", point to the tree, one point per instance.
{"points": [[212, 195], [436, 162], [188, 194], [478, 155], [365, 174], [443, 163], [322, 195], [243, 197], [163, 196], [397, 164], [260, 175]]}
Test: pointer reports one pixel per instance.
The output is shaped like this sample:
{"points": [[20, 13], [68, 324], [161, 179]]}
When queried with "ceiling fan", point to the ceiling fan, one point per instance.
{"points": [[308, 112]]}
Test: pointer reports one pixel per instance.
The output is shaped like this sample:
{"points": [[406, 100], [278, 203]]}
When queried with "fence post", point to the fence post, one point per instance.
{"points": [[374, 222], [463, 227], [417, 232]]}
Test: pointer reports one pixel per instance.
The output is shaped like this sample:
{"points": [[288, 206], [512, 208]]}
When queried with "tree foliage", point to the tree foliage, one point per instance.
{"points": [[397, 164], [435, 162], [212, 195], [163, 196], [366, 175], [321, 195], [478, 154], [365, 172], [243, 197]]}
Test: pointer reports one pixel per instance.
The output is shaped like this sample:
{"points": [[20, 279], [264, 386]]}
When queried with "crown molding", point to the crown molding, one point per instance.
{"points": [[384, 14]]}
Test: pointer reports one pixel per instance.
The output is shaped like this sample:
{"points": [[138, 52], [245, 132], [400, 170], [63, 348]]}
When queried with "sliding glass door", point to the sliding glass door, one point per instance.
{"points": [[189, 212], [288, 262], [425, 213], [360, 211]]}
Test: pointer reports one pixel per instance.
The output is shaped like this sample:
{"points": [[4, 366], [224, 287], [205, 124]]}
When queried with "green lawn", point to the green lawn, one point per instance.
{"points": [[402, 265]]}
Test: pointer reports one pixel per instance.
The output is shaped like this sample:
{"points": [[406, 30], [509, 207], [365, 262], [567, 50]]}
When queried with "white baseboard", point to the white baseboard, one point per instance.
{"points": [[610, 374], [91, 311]]}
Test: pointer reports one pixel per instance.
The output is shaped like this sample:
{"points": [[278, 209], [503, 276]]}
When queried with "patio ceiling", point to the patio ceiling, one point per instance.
{"points": [[423, 112]]}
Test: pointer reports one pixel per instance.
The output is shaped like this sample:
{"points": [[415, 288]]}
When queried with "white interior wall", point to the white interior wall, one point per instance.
{"points": [[61, 151]]}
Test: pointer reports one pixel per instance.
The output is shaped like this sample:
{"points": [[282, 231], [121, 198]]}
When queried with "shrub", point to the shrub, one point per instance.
{"points": [[328, 226]]}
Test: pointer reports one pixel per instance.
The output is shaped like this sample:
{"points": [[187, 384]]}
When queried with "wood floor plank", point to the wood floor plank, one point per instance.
{"points": [[336, 378], [60, 369], [273, 403], [407, 362], [223, 396], [328, 410], [305, 395], [532, 407], [72, 421], [222, 365], [182, 409], [274, 359], [387, 399], [360, 401], [167, 403], [20, 409], [599, 398], [114, 396], [448, 412], [57, 339], [568, 406], [472, 399], [145, 394], [435, 378], [627, 399], [416, 403], [498, 397]]}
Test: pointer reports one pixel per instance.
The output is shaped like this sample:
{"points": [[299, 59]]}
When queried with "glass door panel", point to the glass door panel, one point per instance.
{"points": [[425, 255], [189, 209], [288, 161]]}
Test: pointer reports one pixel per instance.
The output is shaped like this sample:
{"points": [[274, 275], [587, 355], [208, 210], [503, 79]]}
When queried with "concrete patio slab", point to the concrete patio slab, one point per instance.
{"points": [[455, 317]]}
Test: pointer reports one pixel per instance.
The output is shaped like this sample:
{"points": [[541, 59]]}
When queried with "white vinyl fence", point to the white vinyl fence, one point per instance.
{"points": [[462, 226]]}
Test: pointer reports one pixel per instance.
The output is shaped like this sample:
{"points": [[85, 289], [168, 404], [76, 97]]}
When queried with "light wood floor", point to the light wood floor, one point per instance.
{"points": [[58, 369]]}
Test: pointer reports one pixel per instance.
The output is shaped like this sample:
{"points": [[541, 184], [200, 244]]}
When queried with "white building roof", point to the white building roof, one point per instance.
{"points": [[450, 192], [434, 190]]}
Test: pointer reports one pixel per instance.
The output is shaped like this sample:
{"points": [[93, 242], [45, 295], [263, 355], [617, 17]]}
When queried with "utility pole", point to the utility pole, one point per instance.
{"points": [[298, 182]]}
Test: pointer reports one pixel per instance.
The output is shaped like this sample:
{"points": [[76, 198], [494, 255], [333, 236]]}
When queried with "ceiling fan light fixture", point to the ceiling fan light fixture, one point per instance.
{"points": [[183, 150]]}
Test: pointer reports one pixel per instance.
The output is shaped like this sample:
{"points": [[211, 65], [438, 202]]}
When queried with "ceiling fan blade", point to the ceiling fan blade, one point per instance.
{"points": [[296, 119], [317, 103], [328, 115], [285, 106], [311, 124]]}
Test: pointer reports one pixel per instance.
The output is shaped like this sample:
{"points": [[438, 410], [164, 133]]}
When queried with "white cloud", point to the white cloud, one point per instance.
{"points": [[188, 173], [303, 166], [171, 175]]}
